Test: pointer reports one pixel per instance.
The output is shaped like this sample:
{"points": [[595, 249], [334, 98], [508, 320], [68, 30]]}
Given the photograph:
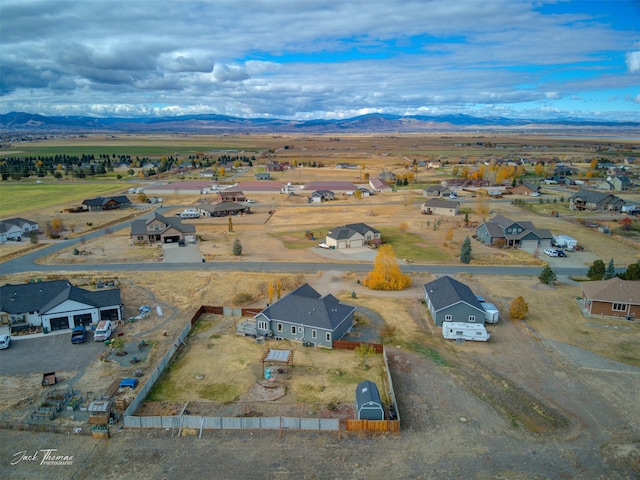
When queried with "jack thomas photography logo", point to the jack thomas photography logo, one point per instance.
{"points": [[45, 456]]}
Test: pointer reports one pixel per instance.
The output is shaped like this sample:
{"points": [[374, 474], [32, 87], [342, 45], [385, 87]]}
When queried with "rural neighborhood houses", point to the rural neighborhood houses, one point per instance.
{"points": [[56, 305], [525, 189], [160, 229], [379, 185], [320, 196], [436, 191], [595, 201], [614, 297], [222, 209], [352, 236], [449, 300], [440, 206], [502, 231], [304, 315], [17, 228], [106, 203]]}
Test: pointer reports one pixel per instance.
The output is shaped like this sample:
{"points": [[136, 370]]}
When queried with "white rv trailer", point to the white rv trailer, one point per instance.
{"points": [[466, 331], [491, 312]]}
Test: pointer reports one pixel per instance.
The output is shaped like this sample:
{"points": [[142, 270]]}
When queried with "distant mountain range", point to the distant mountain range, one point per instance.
{"points": [[382, 123]]}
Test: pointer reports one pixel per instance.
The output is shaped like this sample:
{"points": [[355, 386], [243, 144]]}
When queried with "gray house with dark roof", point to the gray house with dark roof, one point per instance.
{"points": [[352, 236], [523, 234], [222, 209], [595, 201], [160, 229], [56, 305], [106, 203], [304, 315], [448, 300], [17, 227]]}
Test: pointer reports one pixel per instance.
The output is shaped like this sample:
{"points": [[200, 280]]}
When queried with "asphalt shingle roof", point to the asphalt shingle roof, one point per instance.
{"points": [[445, 291]]}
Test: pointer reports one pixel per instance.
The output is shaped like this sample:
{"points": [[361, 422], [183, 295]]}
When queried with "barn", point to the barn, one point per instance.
{"points": [[368, 404]]}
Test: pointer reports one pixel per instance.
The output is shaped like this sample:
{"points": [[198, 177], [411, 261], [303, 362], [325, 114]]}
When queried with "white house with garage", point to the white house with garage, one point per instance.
{"points": [[56, 305], [352, 236]]}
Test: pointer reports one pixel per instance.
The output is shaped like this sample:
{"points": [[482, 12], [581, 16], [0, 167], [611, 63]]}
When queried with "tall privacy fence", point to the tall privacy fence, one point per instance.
{"points": [[201, 423]]}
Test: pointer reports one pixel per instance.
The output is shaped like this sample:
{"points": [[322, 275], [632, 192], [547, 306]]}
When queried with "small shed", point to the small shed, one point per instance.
{"points": [[368, 404], [99, 412]]}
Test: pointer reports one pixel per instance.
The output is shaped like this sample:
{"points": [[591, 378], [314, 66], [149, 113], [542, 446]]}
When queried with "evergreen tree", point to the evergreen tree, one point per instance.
{"points": [[596, 270], [547, 276], [230, 225], [632, 272], [610, 271], [465, 251], [237, 248]]}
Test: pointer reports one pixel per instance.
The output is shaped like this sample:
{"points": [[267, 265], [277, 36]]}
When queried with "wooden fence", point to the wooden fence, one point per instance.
{"points": [[373, 425], [345, 345]]}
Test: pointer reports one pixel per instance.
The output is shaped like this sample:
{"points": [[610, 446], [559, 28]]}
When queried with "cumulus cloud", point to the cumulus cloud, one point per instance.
{"points": [[633, 61]]}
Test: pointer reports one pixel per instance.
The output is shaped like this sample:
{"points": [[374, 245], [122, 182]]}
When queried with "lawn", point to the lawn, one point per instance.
{"points": [[413, 246], [16, 197]]}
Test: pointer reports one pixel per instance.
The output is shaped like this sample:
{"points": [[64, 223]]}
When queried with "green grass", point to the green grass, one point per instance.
{"points": [[408, 245], [151, 151], [16, 197], [298, 241], [428, 352]]}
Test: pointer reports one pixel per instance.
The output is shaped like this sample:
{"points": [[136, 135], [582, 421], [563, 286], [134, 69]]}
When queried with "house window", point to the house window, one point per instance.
{"points": [[619, 307], [314, 334], [447, 318], [328, 337], [279, 328], [262, 325], [293, 329], [472, 318]]}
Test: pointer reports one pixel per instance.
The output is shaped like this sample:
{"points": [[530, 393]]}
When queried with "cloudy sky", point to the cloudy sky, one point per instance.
{"points": [[321, 58]]}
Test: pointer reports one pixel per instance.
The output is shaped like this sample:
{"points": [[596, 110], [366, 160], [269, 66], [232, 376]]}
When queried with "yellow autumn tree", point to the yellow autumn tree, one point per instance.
{"points": [[270, 292], [386, 274], [518, 308]]}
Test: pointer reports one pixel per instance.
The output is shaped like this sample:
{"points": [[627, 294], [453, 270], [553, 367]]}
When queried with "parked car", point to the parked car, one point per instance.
{"points": [[103, 331], [535, 194], [5, 341], [550, 252], [560, 253]]}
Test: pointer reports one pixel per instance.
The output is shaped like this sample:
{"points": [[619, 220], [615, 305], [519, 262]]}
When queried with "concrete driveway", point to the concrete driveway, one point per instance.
{"points": [[173, 253], [48, 353]]}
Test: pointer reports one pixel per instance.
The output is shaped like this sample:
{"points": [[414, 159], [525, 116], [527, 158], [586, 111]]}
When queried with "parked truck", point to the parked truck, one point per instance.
{"points": [[465, 331], [79, 334], [103, 331]]}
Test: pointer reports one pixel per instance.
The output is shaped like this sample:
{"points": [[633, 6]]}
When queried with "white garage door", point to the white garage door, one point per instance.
{"points": [[529, 245], [356, 243]]}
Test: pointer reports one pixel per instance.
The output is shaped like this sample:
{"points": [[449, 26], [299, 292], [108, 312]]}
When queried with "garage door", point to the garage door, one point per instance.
{"points": [[172, 239], [529, 245], [356, 243], [342, 244], [82, 320], [59, 323]]}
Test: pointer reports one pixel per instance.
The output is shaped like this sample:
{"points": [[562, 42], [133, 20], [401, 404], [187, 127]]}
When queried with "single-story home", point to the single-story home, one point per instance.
{"points": [[322, 196], [502, 231], [379, 185], [525, 189], [614, 298], [352, 236], [231, 196], [440, 206], [449, 300], [56, 305], [595, 201], [304, 315], [368, 403], [263, 176], [388, 177], [222, 209], [436, 191], [161, 229], [106, 203], [15, 228]]}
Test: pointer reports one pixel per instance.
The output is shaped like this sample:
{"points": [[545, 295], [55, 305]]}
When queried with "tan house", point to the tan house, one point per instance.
{"points": [[525, 189], [440, 206], [614, 298], [160, 229]]}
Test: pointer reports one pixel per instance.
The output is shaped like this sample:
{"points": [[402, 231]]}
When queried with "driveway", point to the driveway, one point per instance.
{"points": [[48, 353], [173, 253]]}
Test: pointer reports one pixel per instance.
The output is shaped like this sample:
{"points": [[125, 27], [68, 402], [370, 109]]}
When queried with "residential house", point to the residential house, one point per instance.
{"points": [[440, 206], [502, 231], [619, 183], [16, 228], [352, 236], [263, 176], [56, 305], [222, 209], [388, 177], [207, 174], [322, 196], [274, 167], [304, 315], [614, 298], [525, 189], [231, 196], [379, 185], [432, 165], [436, 191], [106, 203], [449, 300], [350, 166], [160, 229], [595, 201]]}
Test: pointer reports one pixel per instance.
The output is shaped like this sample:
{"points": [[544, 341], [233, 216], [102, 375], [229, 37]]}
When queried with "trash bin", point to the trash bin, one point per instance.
{"points": [[45, 329]]}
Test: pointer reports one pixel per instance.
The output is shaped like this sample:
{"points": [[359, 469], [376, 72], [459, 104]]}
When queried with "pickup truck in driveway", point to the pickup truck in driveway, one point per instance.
{"points": [[79, 335]]}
